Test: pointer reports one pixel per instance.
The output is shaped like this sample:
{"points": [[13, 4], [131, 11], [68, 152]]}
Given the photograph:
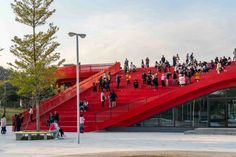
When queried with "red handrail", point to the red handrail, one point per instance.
{"points": [[84, 85]]}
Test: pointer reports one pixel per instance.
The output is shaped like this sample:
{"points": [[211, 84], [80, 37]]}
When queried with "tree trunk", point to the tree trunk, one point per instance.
{"points": [[21, 102], [37, 114]]}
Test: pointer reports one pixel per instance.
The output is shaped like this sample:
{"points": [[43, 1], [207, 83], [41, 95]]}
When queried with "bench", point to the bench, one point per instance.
{"points": [[21, 134]]}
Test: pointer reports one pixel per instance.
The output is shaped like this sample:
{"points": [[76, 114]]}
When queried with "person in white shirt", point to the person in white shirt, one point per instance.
{"points": [[31, 113], [81, 122], [3, 124], [163, 80], [181, 80], [103, 98]]}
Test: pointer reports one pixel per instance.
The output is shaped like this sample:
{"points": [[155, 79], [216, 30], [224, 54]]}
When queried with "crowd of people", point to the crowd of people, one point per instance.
{"points": [[182, 72], [56, 130], [128, 68], [52, 123], [53, 116], [104, 86], [178, 74]]}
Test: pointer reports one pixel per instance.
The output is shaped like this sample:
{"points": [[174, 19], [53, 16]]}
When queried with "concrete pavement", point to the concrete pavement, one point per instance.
{"points": [[101, 142]]}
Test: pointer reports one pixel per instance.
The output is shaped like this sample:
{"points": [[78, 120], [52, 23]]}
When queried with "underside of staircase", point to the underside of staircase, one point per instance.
{"points": [[133, 105]]}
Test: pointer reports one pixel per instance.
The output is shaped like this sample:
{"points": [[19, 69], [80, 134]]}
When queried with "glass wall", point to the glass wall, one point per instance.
{"points": [[217, 109]]}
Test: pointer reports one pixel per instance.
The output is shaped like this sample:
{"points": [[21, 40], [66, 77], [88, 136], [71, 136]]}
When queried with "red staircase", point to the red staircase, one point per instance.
{"points": [[133, 105], [66, 99], [145, 108]]}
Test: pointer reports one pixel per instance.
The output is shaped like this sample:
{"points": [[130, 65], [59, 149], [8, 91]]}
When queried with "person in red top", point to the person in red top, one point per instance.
{"points": [[54, 128]]}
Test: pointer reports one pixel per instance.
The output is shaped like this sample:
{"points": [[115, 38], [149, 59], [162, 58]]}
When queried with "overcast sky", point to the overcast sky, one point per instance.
{"points": [[134, 29]]}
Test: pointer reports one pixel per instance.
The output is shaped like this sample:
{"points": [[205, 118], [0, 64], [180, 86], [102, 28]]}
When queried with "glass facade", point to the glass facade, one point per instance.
{"points": [[217, 109]]}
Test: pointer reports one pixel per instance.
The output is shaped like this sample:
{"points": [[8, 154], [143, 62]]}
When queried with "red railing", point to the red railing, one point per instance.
{"points": [[55, 101], [119, 110]]}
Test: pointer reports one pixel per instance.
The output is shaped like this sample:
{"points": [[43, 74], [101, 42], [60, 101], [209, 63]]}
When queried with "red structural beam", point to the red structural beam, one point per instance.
{"points": [[86, 70]]}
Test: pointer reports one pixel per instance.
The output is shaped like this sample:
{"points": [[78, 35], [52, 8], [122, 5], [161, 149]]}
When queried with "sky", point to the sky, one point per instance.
{"points": [[133, 29]]}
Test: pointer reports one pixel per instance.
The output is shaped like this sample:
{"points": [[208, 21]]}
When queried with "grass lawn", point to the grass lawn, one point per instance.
{"points": [[10, 112]]}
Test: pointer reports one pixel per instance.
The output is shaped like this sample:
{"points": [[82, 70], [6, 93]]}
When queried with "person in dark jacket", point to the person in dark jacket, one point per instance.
{"points": [[113, 97], [118, 81], [135, 84], [21, 121], [155, 81], [174, 78], [144, 77], [56, 116], [18, 123]]}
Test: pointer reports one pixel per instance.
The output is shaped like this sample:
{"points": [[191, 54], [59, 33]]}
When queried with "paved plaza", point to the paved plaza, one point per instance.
{"points": [[101, 142]]}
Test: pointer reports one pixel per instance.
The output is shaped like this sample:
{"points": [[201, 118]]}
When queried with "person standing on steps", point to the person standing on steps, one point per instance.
{"points": [[234, 53], [3, 124], [174, 78], [56, 116], [155, 81], [81, 122], [127, 76], [113, 97], [144, 77], [163, 80], [218, 67], [117, 81], [103, 98], [197, 76], [168, 74], [147, 62], [21, 121], [31, 113], [142, 64], [86, 105], [135, 84], [189, 75]]}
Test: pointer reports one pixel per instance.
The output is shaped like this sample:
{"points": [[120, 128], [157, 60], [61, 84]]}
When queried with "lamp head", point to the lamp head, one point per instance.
{"points": [[71, 34], [82, 35]]}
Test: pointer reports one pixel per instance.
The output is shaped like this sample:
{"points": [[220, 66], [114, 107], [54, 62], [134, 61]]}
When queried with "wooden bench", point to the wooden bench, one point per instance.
{"points": [[29, 134]]}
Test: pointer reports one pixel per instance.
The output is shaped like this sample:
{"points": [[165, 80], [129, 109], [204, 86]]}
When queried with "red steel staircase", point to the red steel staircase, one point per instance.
{"points": [[65, 102], [133, 105]]}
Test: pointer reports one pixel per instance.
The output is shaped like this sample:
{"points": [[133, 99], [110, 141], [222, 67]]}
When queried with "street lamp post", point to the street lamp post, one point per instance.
{"points": [[71, 34]]}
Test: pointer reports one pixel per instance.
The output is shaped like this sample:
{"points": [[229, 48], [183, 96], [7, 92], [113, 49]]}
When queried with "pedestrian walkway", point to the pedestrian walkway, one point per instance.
{"points": [[100, 142]]}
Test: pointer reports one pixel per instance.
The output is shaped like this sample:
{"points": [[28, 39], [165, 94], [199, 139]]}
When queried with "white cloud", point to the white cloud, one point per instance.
{"points": [[115, 36]]}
